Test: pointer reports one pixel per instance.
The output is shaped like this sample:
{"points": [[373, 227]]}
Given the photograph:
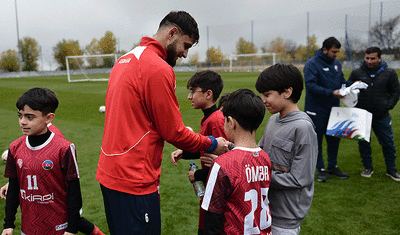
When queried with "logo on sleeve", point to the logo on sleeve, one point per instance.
{"points": [[47, 165]]}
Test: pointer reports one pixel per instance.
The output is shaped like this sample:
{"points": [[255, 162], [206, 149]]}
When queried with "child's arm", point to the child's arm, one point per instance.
{"points": [[213, 223], [74, 204], [12, 203]]}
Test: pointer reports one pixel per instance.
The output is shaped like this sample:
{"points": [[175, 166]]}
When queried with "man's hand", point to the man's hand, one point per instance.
{"points": [[191, 176], [337, 95], [3, 191], [222, 146], [175, 156], [7, 231], [67, 233], [208, 159]]}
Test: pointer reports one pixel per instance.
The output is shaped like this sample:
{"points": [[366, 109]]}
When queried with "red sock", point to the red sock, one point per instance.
{"points": [[96, 231]]}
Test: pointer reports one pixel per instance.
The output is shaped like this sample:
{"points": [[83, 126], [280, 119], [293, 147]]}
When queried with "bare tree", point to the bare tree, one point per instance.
{"points": [[387, 34]]}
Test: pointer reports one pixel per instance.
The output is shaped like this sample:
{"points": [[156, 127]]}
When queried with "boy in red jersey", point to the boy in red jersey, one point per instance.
{"points": [[236, 197], [204, 90], [42, 170]]}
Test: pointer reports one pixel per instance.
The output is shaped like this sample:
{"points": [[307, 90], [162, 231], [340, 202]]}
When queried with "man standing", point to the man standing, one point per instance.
{"points": [[323, 78], [381, 96], [142, 112]]}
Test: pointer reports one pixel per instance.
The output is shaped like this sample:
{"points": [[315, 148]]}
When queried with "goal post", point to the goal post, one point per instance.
{"points": [[247, 62], [82, 68]]}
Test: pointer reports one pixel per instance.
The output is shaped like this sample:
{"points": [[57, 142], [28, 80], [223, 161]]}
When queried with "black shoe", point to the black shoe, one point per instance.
{"points": [[322, 175], [367, 172], [336, 172], [392, 173]]}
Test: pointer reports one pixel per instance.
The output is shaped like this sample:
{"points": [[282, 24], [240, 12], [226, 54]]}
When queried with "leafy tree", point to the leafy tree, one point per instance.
{"points": [[93, 49], [9, 61], [215, 55], [277, 45], [30, 54], [387, 35], [245, 47], [194, 59], [301, 52], [108, 45], [66, 48]]}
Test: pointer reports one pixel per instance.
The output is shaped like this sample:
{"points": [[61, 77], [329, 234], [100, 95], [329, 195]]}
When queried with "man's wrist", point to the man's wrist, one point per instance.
{"points": [[213, 146]]}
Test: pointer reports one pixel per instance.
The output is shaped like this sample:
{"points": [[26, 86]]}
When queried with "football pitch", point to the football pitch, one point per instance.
{"points": [[356, 205]]}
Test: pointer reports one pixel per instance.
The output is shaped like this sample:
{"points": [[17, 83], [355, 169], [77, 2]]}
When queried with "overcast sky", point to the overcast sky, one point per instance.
{"points": [[50, 21]]}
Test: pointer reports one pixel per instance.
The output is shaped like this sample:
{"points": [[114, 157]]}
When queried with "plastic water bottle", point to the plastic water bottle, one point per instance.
{"points": [[198, 185]]}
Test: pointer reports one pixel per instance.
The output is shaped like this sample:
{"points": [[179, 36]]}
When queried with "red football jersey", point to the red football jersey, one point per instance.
{"points": [[42, 173], [55, 130], [237, 187]]}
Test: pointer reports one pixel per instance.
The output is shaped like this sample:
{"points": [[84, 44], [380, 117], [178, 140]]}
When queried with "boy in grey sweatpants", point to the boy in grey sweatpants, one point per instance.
{"points": [[291, 142]]}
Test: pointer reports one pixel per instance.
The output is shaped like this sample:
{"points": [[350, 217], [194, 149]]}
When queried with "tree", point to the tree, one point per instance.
{"points": [[66, 48], [245, 47], [30, 53], [9, 61], [277, 45], [215, 55], [108, 45], [93, 49], [301, 52], [386, 35], [194, 59]]}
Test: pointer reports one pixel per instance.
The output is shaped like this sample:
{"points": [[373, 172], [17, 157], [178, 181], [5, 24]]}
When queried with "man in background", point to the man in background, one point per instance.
{"points": [[381, 96]]}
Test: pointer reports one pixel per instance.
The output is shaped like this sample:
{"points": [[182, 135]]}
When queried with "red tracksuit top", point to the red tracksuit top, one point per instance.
{"points": [[142, 112]]}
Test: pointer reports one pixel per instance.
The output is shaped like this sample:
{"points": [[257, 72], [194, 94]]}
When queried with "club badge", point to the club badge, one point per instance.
{"points": [[19, 162], [47, 165]]}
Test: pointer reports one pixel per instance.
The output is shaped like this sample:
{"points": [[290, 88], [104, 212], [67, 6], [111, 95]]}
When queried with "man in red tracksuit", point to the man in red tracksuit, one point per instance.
{"points": [[142, 112]]}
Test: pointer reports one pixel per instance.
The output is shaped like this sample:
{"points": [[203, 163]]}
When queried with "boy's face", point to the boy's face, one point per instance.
{"points": [[228, 126], [274, 101], [33, 122], [198, 97]]}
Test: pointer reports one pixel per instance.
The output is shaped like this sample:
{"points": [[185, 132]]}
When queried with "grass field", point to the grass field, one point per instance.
{"points": [[354, 206]]}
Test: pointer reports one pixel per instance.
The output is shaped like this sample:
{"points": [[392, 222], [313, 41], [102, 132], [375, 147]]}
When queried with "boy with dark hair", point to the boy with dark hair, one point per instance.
{"points": [[290, 141], [204, 89], [42, 170], [236, 197], [222, 100]]}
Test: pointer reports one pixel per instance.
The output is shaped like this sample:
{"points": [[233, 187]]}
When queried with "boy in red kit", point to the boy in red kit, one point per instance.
{"points": [[236, 197], [204, 90], [43, 172]]}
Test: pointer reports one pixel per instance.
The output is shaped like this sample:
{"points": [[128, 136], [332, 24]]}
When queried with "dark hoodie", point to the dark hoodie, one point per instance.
{"points": [[322, 76], [383, 89]]}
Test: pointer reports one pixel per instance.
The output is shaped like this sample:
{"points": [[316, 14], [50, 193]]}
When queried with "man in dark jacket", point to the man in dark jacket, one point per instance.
{"points": [[381, 96], [323, 78]]}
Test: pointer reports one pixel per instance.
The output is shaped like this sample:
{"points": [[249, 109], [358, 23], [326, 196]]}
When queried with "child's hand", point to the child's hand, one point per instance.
{"points": [[175, 156], [208, 159], [3, 191], [67, 233], [191, 176], [7, 231]]}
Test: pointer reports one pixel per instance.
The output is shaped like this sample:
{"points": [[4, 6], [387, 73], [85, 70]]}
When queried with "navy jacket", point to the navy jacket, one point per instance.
{"points": [[383, 89], [322, 76]]}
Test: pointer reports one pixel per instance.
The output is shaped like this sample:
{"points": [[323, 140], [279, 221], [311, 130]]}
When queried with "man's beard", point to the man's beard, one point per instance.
{"points": [[171, 53]]}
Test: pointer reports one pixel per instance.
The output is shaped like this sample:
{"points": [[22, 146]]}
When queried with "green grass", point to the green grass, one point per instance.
{"points": [[353, 206]]}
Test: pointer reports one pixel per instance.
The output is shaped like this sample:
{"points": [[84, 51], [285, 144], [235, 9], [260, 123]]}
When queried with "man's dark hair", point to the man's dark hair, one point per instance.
{"points": [[280, 77], [374, 50], [246, 108], [41, 99], [223, 99], [184, 21], [207, 80], [330, 42]]}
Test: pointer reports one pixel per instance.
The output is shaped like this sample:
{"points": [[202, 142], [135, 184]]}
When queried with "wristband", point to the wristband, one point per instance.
{"points": [[213, 146]]}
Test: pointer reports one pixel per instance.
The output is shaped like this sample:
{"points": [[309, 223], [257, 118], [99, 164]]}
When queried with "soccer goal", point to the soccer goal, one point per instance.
{"points": [[82, 68], [251, 62]]}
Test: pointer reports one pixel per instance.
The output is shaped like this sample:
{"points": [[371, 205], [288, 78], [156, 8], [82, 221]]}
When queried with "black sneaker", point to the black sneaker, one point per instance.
{"points": [[336, 172], [322, 175], [392, 173], [367, 172]]}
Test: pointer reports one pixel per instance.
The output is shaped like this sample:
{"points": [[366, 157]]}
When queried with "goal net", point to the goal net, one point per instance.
{"points": [[82, 68], [251, 62]]}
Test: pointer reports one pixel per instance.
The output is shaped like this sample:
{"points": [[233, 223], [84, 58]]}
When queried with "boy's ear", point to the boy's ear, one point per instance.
{"points": [[288, 92], [209, 94], [50, 118]]}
